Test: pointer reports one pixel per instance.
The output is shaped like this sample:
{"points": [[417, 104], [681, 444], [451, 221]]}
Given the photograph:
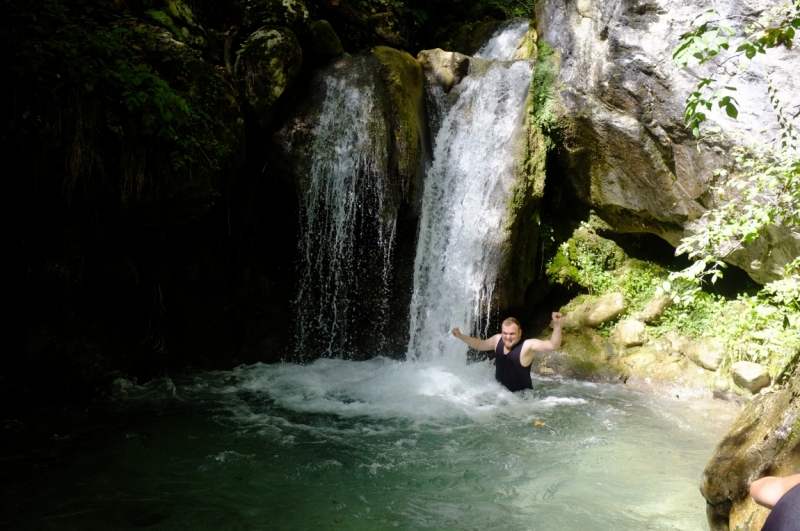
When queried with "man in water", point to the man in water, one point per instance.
{"points": [[513, 357], [782, 495]]}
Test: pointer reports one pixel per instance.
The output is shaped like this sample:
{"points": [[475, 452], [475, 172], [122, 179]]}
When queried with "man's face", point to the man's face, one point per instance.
{"points": [[510, 335]]}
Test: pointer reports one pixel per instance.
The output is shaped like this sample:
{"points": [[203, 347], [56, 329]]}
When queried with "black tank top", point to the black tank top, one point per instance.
{"points": [[509, 370], [785, 516]]}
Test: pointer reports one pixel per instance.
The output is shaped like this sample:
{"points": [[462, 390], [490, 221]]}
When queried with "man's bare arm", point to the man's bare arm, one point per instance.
{"points": [[768, 490], [532, 346], [477, 343]]}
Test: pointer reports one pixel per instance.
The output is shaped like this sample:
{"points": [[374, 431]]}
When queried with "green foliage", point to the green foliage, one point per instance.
{"points": [[91, 52], [752, 328], [711, 41], [763, 191], [587, 260], [543, 90]]}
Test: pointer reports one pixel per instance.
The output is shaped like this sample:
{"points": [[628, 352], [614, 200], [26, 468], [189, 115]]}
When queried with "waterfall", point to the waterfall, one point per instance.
{"points": [[347, 231], [465, 203], [502, 45]]}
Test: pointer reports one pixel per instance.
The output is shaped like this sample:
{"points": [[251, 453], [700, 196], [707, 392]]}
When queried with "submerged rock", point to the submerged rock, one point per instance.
{"points": [[749, 375]]}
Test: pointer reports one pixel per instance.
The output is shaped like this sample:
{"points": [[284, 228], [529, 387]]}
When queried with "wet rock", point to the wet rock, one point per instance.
{"points": [[629, 333], [749, 375], [605, 309], [707, 353], [443, 68], [654, 309], [269, 61], [401, 75]]}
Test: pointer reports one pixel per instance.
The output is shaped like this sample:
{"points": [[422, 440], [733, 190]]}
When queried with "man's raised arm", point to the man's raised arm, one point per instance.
{"points": [[476, 343]]}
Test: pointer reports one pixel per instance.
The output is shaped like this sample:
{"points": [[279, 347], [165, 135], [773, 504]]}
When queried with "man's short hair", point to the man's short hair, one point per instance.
{"points": [[510, 321]]}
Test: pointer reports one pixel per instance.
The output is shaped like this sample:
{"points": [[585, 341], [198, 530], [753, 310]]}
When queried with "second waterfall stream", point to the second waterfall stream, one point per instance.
{"points": [[466, 196]]}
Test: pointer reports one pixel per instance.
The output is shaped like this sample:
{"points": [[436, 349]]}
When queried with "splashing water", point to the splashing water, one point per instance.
{"points": [[369, 445], [504, 42]]}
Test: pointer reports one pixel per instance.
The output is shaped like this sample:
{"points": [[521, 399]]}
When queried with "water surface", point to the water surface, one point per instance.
{"points": [[369, 445]]}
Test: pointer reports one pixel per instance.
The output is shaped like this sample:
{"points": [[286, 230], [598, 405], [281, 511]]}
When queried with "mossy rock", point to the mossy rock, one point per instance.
{"points": [[268, 62], [584, 247], [584, 355], [177, 17], [402, 76], [763, 440]]}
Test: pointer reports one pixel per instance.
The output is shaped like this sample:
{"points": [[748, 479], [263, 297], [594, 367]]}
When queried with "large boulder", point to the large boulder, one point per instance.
{"points": [[444, 69], [269, 61], [625, 148], [762, 441]]}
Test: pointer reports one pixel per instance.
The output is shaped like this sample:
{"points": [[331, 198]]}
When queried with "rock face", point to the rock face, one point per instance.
{"points": [[749, 375], [707, 353], [625, 149], [763, 441]]}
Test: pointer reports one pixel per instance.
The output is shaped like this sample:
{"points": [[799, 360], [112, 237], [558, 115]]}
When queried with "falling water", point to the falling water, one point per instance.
{"points": [[347, 230], [503, 44], [464, 205]]}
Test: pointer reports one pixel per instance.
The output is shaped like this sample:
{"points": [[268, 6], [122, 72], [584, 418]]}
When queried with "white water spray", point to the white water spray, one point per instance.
{"points": [[504, 42], [347, 232], [465, 207]]}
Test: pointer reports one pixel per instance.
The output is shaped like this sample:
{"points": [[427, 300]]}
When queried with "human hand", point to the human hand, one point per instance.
{"points": [[456, 332], [557, 317]]}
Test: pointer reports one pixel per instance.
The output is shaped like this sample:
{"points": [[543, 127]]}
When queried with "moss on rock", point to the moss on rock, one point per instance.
{"points": [[402, 76]]}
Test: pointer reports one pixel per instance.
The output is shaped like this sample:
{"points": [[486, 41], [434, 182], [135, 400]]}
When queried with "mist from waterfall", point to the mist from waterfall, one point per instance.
{"points": [[465, 206], [347, 232]]}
